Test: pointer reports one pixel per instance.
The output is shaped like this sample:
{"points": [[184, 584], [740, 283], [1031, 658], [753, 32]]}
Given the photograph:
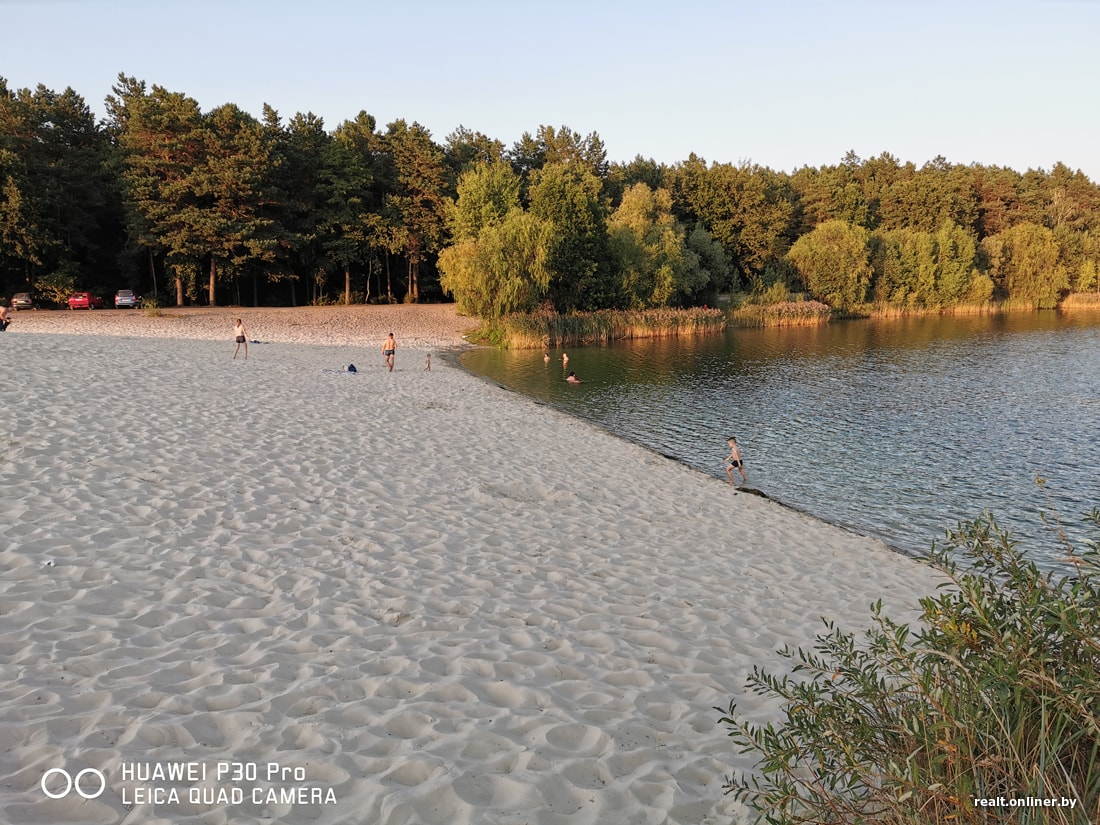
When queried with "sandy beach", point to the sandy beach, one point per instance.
{"points": [[269, 591]]}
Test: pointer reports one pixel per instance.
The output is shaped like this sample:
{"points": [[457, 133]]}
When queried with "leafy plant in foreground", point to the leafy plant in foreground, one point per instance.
{"points": [[982, 713]]}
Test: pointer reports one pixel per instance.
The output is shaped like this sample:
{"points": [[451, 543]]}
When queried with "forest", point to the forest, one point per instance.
{"points": [[218, 207]]}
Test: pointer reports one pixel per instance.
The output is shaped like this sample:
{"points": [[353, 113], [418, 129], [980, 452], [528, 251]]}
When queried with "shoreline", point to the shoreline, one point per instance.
{"points": [[453, 357], [439, 600]]}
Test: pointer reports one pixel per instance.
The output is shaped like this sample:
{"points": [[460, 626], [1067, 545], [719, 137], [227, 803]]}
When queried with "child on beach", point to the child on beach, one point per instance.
{"points": [[241, 336], [428, 363], [733, 460]]}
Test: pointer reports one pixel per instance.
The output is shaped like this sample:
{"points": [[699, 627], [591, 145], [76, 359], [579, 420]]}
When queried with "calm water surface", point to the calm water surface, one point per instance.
{"points": [[895, 428]]}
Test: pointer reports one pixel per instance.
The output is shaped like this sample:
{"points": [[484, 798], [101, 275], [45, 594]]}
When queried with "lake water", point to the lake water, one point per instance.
{"points": [[897, 428]]}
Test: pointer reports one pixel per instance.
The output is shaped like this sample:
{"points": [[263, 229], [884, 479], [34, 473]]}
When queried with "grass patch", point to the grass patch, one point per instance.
{"points": [[995, 696]]}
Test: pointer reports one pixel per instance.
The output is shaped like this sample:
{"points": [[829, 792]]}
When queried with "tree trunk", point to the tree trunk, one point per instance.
{"points": [[153, 272], [370, 271], [179, 290], [389, 281], [347, 286], [213, 277]]}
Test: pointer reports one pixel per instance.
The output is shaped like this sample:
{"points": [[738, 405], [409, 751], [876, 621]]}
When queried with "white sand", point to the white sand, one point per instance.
{"points": [[435, 600]]}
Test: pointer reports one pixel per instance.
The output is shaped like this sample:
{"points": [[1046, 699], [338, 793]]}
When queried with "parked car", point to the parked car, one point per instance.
{"points": [[85, 300], [126, 298], [22, 300]]}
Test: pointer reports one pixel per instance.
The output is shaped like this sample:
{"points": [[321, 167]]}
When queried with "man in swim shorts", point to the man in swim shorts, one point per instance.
{"points": [[389, 347]]}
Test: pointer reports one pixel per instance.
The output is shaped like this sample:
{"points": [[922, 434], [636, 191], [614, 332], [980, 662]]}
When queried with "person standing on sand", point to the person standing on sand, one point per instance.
{"points": [[733, 460], [389, 347], [5, 321], [241, 336]]}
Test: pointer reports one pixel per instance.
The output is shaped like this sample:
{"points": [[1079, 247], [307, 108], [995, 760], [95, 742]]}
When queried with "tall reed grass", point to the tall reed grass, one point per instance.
{"points": [[532, 330], [1081, 300], [988, 713], [980, 308], [781, 314]]}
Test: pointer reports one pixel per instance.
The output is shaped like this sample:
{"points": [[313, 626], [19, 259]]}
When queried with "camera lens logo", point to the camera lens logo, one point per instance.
{"points": [[82, 786]]}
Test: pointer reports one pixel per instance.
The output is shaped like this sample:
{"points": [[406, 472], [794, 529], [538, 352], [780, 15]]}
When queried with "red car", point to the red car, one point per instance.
{"points": [[85, 300]]}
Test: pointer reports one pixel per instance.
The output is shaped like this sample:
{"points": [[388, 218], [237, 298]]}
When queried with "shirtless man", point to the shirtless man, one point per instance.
{"points": [[733, 460], [389, 347]]}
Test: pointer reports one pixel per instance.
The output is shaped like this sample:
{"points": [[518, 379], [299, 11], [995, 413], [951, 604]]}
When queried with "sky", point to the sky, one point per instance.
{"points": [[777, 83]]}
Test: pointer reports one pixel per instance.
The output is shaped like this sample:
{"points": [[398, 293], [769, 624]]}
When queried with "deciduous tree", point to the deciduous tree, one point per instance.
{"points": [[570, 198], [834, 262]]}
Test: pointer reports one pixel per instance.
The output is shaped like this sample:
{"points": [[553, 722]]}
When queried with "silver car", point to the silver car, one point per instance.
{"points": [[126, 298]]}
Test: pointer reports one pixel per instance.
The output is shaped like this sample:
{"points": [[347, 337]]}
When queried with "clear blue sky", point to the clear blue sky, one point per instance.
{"points": [[780, 83]]}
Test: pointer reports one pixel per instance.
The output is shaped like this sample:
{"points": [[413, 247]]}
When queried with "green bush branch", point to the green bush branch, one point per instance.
{"points": [[995, 694]]}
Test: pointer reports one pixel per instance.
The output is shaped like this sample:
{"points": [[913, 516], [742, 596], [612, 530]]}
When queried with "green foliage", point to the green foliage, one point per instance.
{"points": [[465, 148], [834, 263], [487, 192], [219, 196], [150, 306], [714, 261], [55, 287], [748, 209], [1025, 262], [994, 694], [569, 197], [350, 226], [647, 245], [58, 196], [504, 270], [917, 269], [562, 147], [418, 202]]}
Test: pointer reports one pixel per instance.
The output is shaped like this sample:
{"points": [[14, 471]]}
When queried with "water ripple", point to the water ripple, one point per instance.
{"points": [[899, 429]]}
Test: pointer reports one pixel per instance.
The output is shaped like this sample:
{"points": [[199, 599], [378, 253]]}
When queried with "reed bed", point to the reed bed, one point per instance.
{"points": [[532, 330], [1081, 300], [782, 314], [980, 308]]}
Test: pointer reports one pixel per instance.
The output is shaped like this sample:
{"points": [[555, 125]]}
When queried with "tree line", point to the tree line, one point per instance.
{"points": [[221, 207]]}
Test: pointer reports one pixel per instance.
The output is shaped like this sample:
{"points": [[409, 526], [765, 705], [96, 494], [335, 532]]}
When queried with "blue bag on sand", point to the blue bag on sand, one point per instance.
{"points": [[351, 368]]}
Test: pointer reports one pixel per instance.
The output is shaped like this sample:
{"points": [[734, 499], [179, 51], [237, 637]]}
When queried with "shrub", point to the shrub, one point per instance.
{"points": [[997, 694], [151, 306]]}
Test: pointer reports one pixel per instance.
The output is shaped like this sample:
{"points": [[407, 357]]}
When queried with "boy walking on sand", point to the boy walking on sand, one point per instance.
{"points": [[734, 460]]}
